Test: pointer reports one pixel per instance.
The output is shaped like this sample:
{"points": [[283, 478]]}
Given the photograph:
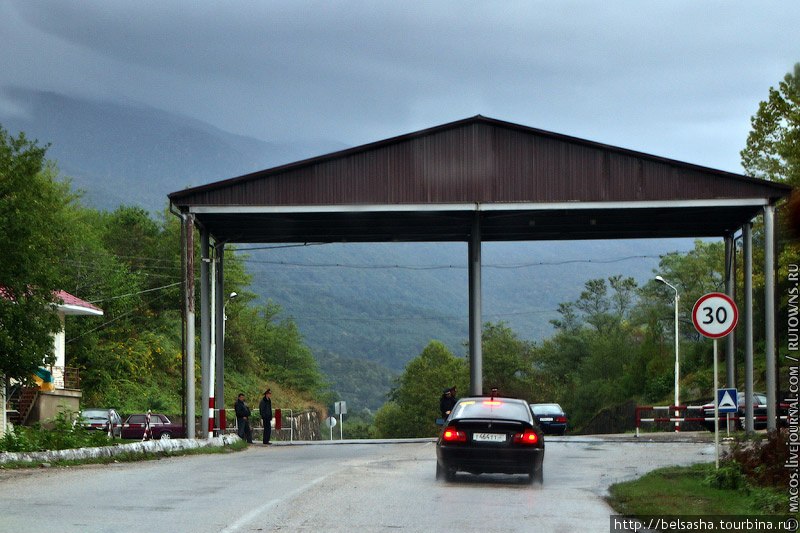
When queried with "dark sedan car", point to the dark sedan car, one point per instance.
{"points": [[550, 417], [160, 427], [759, 412], [484, 435]]}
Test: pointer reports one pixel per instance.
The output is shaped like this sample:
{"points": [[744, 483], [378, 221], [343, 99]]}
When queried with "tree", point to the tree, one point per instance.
{"points": [[773, 145], [413, 404], [773, 152], [34, 209], [506, 361]]}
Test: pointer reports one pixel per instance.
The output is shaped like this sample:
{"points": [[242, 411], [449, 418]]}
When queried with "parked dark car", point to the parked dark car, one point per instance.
{"points": [[759, 413], [550, 417], [97, 419], [488, 435], [160, 427]]}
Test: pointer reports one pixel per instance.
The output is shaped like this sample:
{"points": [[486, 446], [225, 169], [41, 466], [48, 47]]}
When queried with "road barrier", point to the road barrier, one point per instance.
{"points": [[283, 421], [685, 409]]}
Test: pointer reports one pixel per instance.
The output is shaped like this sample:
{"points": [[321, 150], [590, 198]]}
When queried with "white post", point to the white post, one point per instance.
{"points": [[769, 315], [677, 362], [747, 240], [677, 345], [716, 410], [212, 366]]}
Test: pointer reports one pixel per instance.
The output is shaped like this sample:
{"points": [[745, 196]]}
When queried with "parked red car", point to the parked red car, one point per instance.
{"points": [[160, 427]]}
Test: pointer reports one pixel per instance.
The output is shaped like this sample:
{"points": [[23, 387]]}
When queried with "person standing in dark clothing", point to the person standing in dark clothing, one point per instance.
{"points": [[447, 401], [265, 408], [244, 430]]}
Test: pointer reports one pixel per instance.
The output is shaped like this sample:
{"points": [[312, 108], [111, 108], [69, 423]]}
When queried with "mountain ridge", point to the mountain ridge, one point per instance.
{"points": [[380, 302]]}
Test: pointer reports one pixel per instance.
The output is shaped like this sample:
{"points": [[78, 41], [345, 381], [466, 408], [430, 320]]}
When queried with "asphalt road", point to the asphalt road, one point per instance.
{"points": [[345, 487]]}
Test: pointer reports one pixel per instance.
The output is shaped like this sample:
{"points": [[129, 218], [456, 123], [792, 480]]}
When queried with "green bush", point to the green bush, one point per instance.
{"points": [[65, 434], [729, 476], [771, 501]]}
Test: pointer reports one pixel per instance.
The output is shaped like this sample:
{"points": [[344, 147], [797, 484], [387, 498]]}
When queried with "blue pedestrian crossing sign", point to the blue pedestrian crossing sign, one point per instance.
{"points": [[726, 400]]}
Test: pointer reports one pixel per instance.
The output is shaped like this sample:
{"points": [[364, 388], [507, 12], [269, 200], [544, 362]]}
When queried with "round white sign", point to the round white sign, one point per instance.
{"points": [[330, 422], [715, 315]]}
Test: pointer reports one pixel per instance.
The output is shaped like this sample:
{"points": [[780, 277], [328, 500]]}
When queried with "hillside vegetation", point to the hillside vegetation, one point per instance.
{"points": [[127, 263]]}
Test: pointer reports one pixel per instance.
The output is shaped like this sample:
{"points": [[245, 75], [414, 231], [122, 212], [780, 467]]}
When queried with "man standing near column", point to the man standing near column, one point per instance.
{"points": [[265, 408], [243, 420]]}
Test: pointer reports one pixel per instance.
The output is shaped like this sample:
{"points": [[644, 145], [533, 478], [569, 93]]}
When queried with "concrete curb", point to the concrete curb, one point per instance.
{"points": [[149, 446]]}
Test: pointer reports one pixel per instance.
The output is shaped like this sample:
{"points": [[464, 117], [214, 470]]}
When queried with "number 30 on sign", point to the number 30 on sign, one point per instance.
{"points": [[715, 315]]}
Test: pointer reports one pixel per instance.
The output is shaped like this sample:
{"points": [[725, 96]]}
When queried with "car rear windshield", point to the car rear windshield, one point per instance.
{"points": [[94, 414], [546, 409], [491, 409]]}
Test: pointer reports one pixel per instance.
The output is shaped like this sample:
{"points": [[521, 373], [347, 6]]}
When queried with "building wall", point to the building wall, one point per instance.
{"points": [[59, 343], [50, 403]]}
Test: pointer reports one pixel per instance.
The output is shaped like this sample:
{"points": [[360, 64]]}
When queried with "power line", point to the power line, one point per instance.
{"points": [[440, 317], [118, 317], [442, 267], [137, 293]]}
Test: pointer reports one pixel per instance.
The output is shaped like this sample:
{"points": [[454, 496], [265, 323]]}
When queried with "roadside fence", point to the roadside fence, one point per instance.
{"points": [[282, 420], [684, 412]]}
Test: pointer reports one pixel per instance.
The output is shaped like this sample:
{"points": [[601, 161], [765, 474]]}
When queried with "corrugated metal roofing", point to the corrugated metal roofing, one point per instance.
{"points": [[526, 183]]}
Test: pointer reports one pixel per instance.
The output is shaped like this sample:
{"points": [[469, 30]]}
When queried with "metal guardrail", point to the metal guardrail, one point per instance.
{"points": [[677, 420], [285, 414]]}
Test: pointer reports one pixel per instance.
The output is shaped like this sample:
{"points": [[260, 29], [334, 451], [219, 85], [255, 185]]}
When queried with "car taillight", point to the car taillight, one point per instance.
{"points": [[529, 437], [561, 419], [451, 434]]}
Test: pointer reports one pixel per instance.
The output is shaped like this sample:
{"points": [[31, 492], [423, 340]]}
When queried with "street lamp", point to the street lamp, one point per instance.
{"points": [[222, 417], [677, 341], [224, 314]]}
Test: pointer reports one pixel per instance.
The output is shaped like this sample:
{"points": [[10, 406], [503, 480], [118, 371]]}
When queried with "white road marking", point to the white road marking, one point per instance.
{"points": [[252, 515]]}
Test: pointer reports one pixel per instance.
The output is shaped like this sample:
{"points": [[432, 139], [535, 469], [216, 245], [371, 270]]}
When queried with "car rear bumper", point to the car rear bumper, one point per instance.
{"points": [[499, 460], [554, 427]]}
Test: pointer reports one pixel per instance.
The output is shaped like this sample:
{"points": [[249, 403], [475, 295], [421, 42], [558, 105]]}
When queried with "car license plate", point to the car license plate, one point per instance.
{"points": [[546, 419], [489, 437]]}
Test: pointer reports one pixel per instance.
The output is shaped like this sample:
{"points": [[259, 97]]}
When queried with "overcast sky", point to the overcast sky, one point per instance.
{"points": [[679, 79]]}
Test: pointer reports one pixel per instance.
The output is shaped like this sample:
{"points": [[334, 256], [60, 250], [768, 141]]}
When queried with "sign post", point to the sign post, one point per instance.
{"points": [[714, 316], [330, 422], [340, 408], [727, 404]]}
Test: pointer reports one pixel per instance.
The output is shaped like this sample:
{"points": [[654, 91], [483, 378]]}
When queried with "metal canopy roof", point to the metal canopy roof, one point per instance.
{"points": [[523, 183]]}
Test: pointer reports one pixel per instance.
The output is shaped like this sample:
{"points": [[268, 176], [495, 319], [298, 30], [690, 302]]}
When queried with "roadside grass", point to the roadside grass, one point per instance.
{"points": [[238, 445], [696, 490]]}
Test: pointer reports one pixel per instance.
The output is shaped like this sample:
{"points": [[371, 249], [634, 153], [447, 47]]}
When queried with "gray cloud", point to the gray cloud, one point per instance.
{"points": [[679, 79]]}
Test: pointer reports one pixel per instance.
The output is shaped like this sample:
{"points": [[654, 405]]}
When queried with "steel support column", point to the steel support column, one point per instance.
{"points": [[730, 285], [747, 251], [188, 302], [219, 319], [205, 330], [475, 317], [769, 313]]}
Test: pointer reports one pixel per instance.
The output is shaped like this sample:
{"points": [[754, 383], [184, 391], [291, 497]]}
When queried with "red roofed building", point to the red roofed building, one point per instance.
{"points": [[36, 404]]}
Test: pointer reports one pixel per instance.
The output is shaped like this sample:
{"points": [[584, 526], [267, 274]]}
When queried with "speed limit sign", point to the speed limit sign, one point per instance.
{"points": [[715, 315]]}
